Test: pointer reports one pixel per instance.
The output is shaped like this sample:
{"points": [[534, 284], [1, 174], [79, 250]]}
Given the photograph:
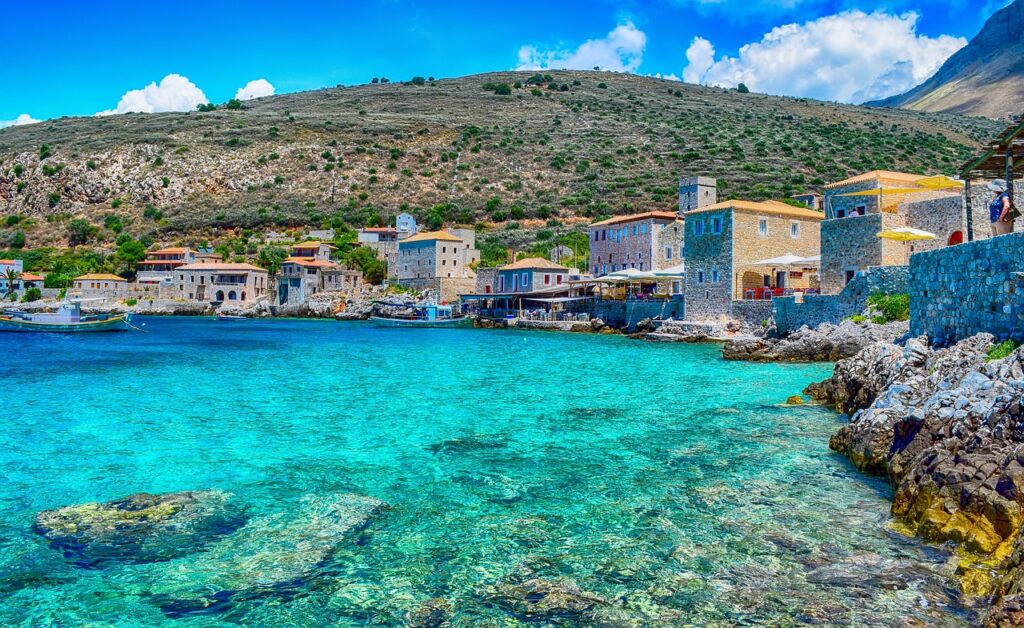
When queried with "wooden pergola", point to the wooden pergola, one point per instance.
{"points": [[1003, 158]]}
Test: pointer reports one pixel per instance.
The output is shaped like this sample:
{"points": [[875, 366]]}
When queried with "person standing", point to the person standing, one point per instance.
{"points": [[999, 209]]}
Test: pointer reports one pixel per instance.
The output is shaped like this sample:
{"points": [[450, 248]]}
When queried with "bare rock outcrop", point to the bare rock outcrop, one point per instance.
{"points": [[946, 427], [826, 343]]}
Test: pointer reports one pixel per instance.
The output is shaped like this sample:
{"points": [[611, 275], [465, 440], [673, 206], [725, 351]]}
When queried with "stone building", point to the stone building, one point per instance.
{"points": [[533, 274], [217, 283], [723, 242], [441, 261], [100, 285], [697, 192], [636, 241], [159, 265], [300, 278], [849, 235], [811, 199]]}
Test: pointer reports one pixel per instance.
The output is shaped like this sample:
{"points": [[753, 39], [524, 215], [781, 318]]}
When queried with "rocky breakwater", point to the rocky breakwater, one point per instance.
{"points": [[946, 426], [826, 343]]}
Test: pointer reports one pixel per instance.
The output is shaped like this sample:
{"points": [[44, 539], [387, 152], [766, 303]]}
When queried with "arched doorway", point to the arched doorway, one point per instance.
{"points": [[232, 296], [220, 295], [243, 295], [956, 238]]}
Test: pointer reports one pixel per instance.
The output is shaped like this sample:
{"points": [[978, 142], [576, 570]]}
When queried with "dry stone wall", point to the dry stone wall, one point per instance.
{"points": [[833, 308], [960, 291]]}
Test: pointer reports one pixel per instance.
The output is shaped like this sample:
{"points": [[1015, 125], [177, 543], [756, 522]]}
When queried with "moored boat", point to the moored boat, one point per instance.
{"points": [[231, 317], [427, 315], [67, 319]]}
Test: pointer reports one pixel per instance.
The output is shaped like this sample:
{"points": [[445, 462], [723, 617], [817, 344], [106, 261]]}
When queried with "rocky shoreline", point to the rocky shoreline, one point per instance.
{"points": [[946, 426]]}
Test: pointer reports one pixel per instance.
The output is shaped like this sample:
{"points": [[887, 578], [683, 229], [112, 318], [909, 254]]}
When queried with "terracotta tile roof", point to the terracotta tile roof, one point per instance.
{"points": [[9, 262], [431, 235], [379, 230], [764, 207], [99, 277], [31, 277], [170, 251], [900, 178], [221, 266], [311, 244], [633, 217], [531, 263], [312, 263], [161, 261]]}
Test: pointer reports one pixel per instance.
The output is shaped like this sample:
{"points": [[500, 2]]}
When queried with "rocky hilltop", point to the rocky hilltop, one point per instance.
{"points": [[508, 147], [946, 426], [985, 78]]}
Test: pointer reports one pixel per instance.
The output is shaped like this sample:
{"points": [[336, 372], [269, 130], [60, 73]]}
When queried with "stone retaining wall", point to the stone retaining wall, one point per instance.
{"points": [[960, 291], [626, 314], [833, 308], [752, 313]]}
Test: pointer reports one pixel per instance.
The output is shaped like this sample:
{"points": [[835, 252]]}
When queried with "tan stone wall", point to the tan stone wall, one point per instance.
{"points": [[750, 245], [199, 285], [639, 248], [671, 236]]}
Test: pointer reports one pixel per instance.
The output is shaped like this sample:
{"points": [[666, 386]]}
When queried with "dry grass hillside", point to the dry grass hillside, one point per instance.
{"points": [[577, 146]]}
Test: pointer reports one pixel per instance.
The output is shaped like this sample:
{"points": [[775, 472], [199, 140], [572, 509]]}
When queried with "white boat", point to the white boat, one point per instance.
{"points": [[423, 316], [67, 319]]}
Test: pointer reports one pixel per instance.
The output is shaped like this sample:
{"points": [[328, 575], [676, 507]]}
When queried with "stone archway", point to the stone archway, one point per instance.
{"points": [[232, 296], [220, 295]]}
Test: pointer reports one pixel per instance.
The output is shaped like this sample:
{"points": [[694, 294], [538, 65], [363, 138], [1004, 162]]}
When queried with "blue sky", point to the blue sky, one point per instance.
{"points": [[80, 58]]}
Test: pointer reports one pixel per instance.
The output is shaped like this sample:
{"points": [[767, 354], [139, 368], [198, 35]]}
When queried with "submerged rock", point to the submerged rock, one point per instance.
{"points": [[539, 599], [475, 442], [273, 555], [433, 613], [827, 343], [140, 528]]}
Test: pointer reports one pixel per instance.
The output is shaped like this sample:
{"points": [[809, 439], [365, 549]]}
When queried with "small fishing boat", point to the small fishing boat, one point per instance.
{"points": [[231, 317], [426, 315], [67, 319]]}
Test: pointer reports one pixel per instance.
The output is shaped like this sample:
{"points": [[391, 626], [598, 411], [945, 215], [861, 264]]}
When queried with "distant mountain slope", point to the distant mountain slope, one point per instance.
{"points": [[576, 146], [984, 78]]}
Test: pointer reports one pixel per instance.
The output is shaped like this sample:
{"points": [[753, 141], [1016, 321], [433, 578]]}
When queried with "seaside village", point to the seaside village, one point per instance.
{"points": [[712, 263]]}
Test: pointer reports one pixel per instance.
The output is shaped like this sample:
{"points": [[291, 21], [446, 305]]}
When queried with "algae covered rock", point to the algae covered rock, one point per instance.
{"points": [[273, 555], [140, 528], [539, 599]]}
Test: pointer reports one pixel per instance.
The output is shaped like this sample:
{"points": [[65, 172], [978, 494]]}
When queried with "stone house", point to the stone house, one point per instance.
{"points": [[697, 192], [312, 249], [533, 274], [405, 225], [812, 200], [216, 283], [636, 241], [441, 261], [100, 285], [159, 265], [24, 281], [725, 240], [300, 278], [849, 234]]}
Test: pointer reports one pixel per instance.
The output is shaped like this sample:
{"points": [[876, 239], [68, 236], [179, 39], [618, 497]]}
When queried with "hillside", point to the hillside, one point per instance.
{"points": [[984, 78], [578, 146]]}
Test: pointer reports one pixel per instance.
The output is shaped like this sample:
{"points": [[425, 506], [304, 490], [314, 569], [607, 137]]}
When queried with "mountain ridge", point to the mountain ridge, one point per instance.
{"points": [[985, 77]]}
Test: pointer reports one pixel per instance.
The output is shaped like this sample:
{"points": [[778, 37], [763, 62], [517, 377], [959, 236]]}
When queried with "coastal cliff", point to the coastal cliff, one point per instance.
{"points": [[946, 426]]}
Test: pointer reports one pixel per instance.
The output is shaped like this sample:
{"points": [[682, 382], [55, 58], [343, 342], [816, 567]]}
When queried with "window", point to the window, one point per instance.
{"points": [[794, 229], [668, 252], [716, 225], [526, 279], [762, 226], [643, 229], [596, 270], [501, 283], [636, 229], [840, 213], [698, 228], [714, 275], [596, 234], [547, 279], [700, 276], [558, 279], [860, 210], [676, 287], [604, 234]]}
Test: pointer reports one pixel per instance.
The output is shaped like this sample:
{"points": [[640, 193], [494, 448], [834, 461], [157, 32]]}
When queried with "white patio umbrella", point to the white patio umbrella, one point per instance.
{"points": [[788, 259], [672, 272]]}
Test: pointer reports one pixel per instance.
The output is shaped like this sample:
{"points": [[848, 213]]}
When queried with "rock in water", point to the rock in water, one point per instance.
{"points": [[271, 555], [827, 343], [540, 599], [140, 528], [433, 613]]}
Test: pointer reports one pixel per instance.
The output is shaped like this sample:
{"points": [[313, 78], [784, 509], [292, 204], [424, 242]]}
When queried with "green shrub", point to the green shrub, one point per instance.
{"points": [[207, 107], [234, 104], [44, 152], [53, 199], [130, 302], [32, 294], [891, 307], [80, 231], [1002, 350], [857, 318]]}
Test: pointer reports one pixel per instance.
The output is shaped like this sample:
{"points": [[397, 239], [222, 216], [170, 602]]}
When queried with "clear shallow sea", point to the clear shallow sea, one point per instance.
{"points": [[657, 477]]}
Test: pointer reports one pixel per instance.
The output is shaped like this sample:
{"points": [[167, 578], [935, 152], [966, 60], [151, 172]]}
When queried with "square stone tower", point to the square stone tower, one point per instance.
{"points": [[697, 192]]}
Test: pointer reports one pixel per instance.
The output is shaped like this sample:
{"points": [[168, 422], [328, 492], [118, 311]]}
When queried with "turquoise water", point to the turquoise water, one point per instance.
{"points": [[660, 480]]}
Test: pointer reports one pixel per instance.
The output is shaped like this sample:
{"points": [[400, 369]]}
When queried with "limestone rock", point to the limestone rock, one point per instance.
{"points": [[827, 343], [140, 528], [539, 599]]}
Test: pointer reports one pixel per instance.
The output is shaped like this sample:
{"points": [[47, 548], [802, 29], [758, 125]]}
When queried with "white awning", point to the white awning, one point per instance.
{"points": [[789, 259], [672, 272]]}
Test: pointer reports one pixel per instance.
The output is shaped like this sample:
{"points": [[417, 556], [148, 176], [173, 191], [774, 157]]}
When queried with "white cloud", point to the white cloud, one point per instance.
{"points": [[255, 89], [848, 57], [700, 56], [174, 93], [20, 120], [621, 50]]}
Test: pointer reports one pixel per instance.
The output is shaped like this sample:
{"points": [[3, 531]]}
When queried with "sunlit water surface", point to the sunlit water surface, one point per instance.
{"points": [[658, 478]]}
